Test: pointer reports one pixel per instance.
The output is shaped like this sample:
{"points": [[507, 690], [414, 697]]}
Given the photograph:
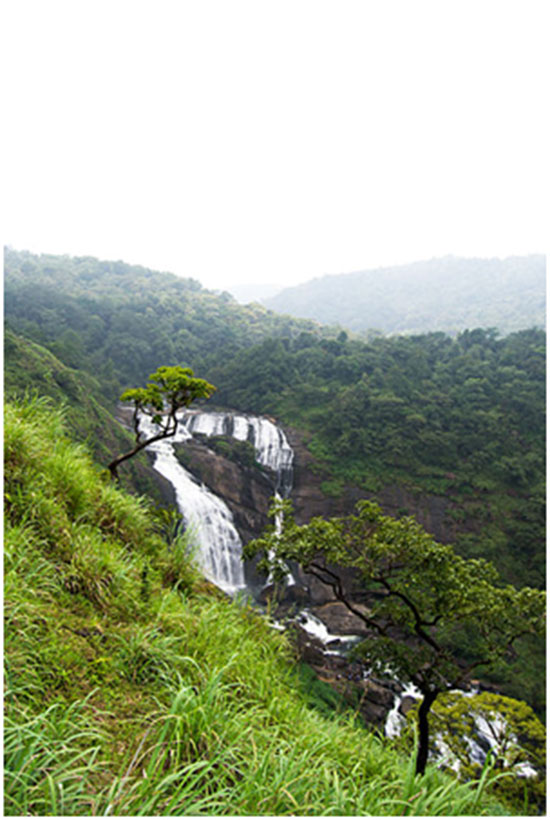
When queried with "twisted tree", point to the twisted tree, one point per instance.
{"points": [[421, 597], [170, 390]]}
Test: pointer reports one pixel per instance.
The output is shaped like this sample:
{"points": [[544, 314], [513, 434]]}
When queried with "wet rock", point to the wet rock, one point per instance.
{"points": [[336, 643], [286, 598], [310, 648], [339, 620], [373, 713], [247, 491], [387, 683], [377, 694], [406, 704]]}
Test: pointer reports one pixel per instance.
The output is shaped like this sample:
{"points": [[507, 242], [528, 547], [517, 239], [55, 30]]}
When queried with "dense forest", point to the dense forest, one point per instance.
{"points": [[460, 418], [119, 321], [449, 294]]}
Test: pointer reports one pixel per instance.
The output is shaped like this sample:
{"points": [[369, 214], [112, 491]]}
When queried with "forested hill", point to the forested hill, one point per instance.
{"points": [[121, 321], [448, 294]]}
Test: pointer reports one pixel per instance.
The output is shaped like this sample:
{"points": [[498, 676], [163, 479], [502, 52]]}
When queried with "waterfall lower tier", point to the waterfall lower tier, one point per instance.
{"points": [[207, 519]]}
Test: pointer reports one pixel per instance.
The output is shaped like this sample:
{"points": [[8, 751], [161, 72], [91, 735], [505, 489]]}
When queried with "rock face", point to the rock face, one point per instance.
{"points": [[431, 511], [246, 490]]}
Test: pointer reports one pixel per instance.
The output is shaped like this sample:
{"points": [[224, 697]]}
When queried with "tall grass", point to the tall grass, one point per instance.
{"points": [[134, 688], [49, 758]]}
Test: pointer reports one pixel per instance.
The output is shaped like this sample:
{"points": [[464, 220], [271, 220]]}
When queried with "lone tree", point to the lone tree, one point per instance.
{"points": [[170, 390], [421, 597]]}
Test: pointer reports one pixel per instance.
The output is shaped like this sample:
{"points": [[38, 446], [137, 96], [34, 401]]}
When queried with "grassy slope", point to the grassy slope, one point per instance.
{"points": [[133, 687], [30, 368]]}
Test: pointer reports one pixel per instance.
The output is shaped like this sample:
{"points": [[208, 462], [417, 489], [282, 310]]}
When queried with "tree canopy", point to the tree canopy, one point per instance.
{"points": [[170, 390], [421, 596]]}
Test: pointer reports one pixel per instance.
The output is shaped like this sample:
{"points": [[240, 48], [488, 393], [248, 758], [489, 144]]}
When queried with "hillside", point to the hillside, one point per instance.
{"points": [[449, 430], [121, 321], [30, 369], [460, 418], [449, 294], [133, 687]]}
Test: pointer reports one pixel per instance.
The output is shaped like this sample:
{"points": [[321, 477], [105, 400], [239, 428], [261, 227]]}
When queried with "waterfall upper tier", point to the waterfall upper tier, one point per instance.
{"points": [[270, 444]]}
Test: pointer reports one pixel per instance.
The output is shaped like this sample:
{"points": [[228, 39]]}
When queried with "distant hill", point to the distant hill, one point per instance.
{"points": [[448, 294]]}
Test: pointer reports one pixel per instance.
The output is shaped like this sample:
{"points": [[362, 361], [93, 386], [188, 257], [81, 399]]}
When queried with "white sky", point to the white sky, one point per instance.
{"points": [[265, 140]]}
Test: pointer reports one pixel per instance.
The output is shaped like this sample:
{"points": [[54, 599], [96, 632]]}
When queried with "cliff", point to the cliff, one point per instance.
{"points": [[431, 511]]}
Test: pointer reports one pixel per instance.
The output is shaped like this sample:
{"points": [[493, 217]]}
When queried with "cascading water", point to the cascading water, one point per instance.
{"points": [[205, 515], [271, 447], [270, 444], [395, 720]]}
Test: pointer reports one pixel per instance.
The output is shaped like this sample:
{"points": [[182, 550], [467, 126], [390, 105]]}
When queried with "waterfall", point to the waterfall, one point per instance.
{"points": [[206, 516], [270, 443], [271, 447]]}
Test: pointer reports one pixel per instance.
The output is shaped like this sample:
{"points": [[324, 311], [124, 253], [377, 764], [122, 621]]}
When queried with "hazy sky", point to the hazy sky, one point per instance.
{"points": [[266, 140]]}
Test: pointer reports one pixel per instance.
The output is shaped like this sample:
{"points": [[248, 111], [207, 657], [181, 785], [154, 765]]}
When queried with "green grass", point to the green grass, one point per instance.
{"points": [[133, 687], [30, 369]]}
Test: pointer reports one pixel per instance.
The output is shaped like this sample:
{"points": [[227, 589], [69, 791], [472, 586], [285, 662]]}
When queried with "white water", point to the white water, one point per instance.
{"points": [[315, 627], [395, 720], [207, 518], [490, 735], [271, 447], [270, 444]]}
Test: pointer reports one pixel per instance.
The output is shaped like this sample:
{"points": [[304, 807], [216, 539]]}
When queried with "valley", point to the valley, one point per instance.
{"points": [[447, 430]]}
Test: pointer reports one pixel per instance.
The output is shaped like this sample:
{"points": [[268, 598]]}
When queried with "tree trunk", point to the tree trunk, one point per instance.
{"points": [[424, 731], [113, 466]]}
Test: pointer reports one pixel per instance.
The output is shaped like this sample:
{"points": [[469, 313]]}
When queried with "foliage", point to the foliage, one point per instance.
{"points": [[170, 390], [462, 419], [31, 370], [121, 321], [176, 702], [420, 596], [508, 731]]}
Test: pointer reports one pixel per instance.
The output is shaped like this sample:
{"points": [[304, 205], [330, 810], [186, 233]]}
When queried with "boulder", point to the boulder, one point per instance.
{"points": [[377, 694], [339, 620], [406, 704]]}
